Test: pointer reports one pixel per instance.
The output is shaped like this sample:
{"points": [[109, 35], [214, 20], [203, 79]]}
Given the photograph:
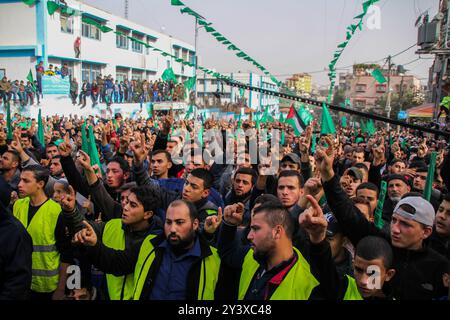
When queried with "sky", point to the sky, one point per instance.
{"points": [[287, 36]]}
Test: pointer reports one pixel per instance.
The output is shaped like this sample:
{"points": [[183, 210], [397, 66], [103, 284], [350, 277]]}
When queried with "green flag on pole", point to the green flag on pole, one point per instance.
{"points": [[189, 84], [84, 141], [378, 214], [30, 78], [93, 151], [168, 75], [189, 112], [344, 122], [327, 122], [430, 176], [283, 138], [40, 129], [313, 142], [379, 76], [9, 134]]}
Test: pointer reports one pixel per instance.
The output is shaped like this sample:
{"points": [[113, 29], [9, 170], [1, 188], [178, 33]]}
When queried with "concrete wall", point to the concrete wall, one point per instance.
{"points": [[17, 24], [18, 68]]}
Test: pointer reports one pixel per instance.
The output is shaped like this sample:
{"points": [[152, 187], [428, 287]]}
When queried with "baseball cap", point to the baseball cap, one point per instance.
{"points": [[355, 172], [417, 209], [292, 157], [333, 225]]}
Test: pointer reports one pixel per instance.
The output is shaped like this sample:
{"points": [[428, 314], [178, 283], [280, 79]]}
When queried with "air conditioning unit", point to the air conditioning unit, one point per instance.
{"points": [[428, 34]]}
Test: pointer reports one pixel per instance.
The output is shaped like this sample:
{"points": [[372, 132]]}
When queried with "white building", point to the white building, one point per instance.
{"points": [[208, 87], [28, 34]]}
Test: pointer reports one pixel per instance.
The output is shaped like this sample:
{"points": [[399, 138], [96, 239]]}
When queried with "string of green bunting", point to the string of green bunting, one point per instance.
{"points": [[341, 47], [220, 38]]}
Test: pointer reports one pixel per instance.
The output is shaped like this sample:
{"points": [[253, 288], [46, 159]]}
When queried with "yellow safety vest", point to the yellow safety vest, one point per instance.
{"points": [[45, 258], [352, 292], [209, 271], [119, 288], [297, 285]]}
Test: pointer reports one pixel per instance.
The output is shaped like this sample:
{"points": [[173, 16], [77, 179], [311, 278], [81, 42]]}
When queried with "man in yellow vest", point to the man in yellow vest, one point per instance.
{"points": [[371, 266], [137, 222], [51, 248], [179, 266], [272, 269]]}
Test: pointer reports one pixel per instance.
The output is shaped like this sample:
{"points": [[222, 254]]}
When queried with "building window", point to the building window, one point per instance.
{"points": [[90, 31], [121, 41], [191, 57], [121, 76], [168, 64], [2, 73], [66, 23], [176, 52], [137, 47], [201, 82], [213, 82], [381, 88], [136, 75], [361, 88], [184, 55], [90, 72]]}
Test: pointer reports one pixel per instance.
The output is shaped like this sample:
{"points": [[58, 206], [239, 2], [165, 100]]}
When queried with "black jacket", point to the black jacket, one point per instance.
{"points": [[15, 258], [419, 273], [122, 262]]}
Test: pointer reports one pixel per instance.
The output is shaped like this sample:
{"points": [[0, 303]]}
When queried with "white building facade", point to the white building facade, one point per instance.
{"points": [[208, 87], [28, 34]]}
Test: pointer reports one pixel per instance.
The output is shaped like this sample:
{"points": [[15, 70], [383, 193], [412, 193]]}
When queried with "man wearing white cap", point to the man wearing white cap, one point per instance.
{"points": [[420, 269]]}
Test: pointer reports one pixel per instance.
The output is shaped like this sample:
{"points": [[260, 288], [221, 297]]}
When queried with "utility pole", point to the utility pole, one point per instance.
{"points": [[126, 9], [389, 96], [196, 61]]}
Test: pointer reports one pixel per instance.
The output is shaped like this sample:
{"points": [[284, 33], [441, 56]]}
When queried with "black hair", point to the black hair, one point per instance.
{"points": [[264, 198], [147, 197], [369, 186], [193, 212], [361, 166], [15, 154], [371, 248], [205, 175], [166, 153], [276, 214], [127, 186], [247, 171], [40, 173], [122, 163], [446, 197], [395, 161], [292, 173]]}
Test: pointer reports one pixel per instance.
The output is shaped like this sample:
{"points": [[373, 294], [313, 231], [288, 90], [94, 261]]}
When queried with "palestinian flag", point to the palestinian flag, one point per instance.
{"points": [[295, 121]]}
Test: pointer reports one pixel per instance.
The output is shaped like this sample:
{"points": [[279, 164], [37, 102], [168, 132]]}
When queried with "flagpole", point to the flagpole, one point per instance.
{"points": [[195, 57]]}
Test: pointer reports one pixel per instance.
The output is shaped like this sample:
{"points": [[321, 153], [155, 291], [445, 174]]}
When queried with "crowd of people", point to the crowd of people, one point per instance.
{"points": [[23, 93], [107, 90], [344, 217]]}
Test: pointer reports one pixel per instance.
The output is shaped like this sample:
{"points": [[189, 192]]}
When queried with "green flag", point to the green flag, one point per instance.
{"points": [[313, 142], [344, 122], [305, 116], [93, 151], [378, 213], [30, 78], [190, 111], [40, 129], [150, 109], [191, 12], [84, 141], [189, 84], [282, 119], [168, 75], [283, 138], [52, 7], [379, 76], [200, 136], [430, 176], [29, 2], [327, 122], [9, 128], [176, 3], [241, 92]]}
